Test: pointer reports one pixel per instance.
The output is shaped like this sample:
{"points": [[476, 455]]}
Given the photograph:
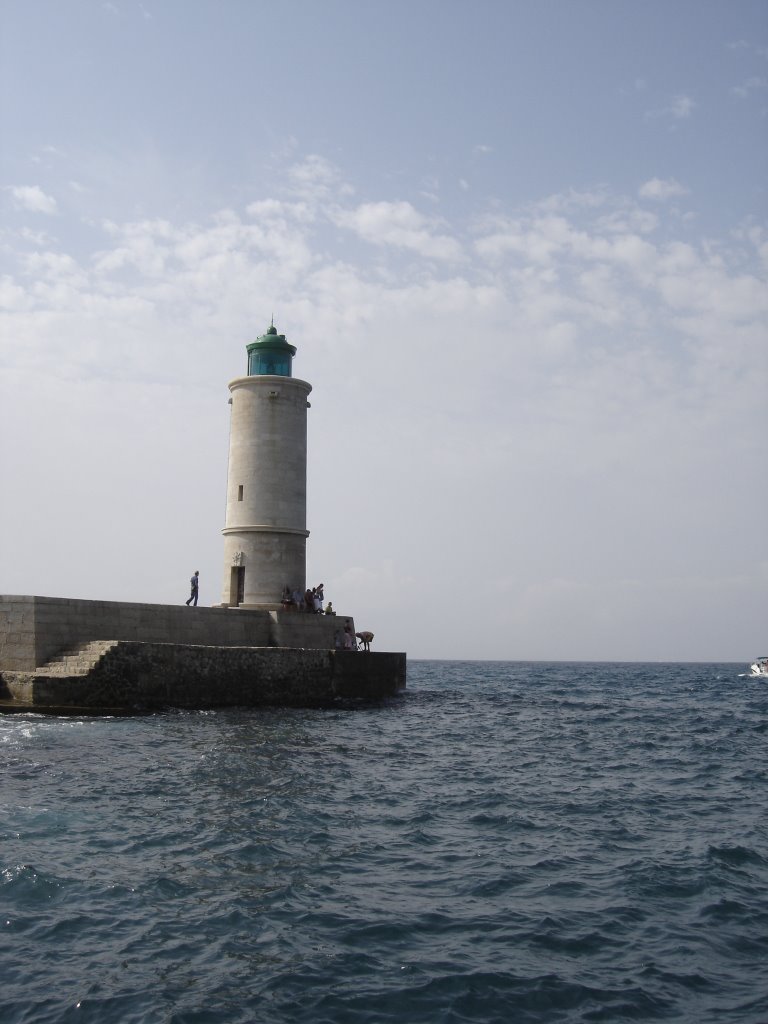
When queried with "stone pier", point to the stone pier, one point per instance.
{"points": [[59, 653]]}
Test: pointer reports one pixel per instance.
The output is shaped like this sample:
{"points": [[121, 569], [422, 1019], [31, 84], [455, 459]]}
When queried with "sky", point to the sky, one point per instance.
{"points": [[521, 248]]}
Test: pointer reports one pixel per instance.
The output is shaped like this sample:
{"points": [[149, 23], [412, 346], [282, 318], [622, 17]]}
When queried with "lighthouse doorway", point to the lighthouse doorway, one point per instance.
{"points": [[237, 585]]}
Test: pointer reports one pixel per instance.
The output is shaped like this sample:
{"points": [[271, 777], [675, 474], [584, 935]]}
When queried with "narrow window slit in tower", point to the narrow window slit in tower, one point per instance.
{"points": [[240, 492]]}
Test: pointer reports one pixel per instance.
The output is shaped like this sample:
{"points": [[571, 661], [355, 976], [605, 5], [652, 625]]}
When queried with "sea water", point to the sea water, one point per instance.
{"points": [[506, 842]]}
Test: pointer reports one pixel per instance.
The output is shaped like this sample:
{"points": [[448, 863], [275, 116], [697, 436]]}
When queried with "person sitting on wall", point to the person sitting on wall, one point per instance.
{"points": [[298, 600], [365, 637], [309, 600], [286, 600], [329, 610]]}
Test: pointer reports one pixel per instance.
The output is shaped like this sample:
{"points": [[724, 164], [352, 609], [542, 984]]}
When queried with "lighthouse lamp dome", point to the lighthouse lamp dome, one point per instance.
{"points": [[270, 354]]}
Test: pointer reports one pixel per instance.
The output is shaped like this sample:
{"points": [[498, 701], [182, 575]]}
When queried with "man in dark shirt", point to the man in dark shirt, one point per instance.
{"points": [[193, 583]]}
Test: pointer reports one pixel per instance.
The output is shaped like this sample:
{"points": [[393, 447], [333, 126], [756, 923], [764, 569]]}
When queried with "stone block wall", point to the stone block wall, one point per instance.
{"points": [[302, 629], [17, 633], [34, 630], [148, 676]]}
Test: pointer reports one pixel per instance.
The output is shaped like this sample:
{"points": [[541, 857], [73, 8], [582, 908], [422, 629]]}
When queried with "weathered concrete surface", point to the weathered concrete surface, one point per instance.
{"points": [[59, 652], [147, 676], [33, 630]]}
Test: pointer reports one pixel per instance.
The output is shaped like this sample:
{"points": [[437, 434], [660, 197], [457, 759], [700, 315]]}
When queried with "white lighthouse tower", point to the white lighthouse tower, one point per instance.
{"points": [[265, 531]]}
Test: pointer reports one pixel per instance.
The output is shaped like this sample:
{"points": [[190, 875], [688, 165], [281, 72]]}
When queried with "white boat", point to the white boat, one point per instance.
{"points": [[759, 668]]}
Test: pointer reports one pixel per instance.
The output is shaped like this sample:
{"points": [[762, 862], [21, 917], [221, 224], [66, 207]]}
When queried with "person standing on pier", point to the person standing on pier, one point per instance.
{"points": [[194, 585]]}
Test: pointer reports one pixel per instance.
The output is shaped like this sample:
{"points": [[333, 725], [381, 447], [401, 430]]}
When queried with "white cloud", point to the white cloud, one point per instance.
{"points": [[576, 361], [280, 214], [13, 297], [679, 108], [315, 178], [398, 224], [40, 239], [750, 85], [575, 199], [628, 220], [32, 198], [661, 189]]}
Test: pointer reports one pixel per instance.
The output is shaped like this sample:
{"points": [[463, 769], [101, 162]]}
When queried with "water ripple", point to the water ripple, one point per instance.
{"points": [[510, 842]]}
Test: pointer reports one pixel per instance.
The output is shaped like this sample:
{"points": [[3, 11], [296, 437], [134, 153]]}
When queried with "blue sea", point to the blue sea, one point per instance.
{"points": [[506, 842]]}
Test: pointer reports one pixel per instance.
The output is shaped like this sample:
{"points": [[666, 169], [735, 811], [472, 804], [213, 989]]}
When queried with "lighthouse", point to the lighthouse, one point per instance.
{"points": [[164, 656], [265, 529]]}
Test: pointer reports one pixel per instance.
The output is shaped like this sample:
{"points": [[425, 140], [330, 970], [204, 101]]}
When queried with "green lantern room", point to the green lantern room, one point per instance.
{"points": [[270, 355]]}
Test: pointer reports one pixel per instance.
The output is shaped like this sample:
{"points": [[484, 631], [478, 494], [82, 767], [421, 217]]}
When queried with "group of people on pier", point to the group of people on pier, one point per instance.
{"points": [[312, 600]]}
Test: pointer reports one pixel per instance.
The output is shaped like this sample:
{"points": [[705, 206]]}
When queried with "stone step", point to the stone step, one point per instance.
{"points": [[77, 662]]}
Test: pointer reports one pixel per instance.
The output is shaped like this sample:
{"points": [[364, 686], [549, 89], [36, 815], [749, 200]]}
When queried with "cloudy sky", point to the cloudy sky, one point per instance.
{"points": [[521, 247]]}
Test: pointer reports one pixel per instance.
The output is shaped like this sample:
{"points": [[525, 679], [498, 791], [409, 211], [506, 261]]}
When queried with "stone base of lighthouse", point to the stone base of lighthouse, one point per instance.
{"points": [[70, 656], [259, 563]]}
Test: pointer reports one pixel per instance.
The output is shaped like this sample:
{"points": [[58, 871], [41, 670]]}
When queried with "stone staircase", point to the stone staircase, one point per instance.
{"points": [[126, 676], [17, 688], [78, 661]]}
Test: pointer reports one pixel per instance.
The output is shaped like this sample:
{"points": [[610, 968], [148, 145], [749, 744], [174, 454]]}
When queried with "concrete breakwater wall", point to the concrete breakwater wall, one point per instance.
{"points": [[59, 652], [133, 675], [33, 630]]}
